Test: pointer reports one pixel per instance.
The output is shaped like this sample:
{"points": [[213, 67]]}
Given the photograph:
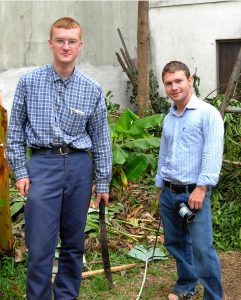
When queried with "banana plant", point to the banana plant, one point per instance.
{"points": [[133, 144]]}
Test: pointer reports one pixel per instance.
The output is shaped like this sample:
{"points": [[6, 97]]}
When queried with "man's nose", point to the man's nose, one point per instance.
{"points": [[66, 45], [174, 86]]}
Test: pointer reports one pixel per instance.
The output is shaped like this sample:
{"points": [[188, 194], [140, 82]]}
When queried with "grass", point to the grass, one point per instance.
{"points": [[12, 279], [127, 282], [96, 287]]}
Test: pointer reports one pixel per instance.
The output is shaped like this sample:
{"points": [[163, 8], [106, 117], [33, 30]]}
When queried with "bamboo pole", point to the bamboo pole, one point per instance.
{"points": [[236, 163], [231, 109], [125, 50], [102, 271], [113, 269], [125, 59], [124, 68]]}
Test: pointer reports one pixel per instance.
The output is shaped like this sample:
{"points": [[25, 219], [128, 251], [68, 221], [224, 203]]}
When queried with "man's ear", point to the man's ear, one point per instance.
{"points": [[80, 44], [190, 79], [50, 44]]}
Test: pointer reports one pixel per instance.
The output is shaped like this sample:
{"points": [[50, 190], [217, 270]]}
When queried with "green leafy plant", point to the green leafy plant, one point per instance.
{"points": [[132, 146], [196, 83], [114, 227], [226, 223], [112, 108], [146, 254], [226, 205], [17, 202], [92, 222]]}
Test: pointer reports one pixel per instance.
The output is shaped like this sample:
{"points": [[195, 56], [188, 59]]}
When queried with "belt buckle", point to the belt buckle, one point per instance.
{"points": [[61, 150]]}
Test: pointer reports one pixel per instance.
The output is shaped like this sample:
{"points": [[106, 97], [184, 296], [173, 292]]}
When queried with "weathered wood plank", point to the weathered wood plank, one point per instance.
{"points": [[6, 235]]}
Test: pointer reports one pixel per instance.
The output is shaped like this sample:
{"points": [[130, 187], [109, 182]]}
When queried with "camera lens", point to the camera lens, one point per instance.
{"points": [[186, 213]]}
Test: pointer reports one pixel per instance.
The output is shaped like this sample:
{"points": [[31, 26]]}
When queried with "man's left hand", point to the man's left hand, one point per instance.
{"points": [[197, 197], [99, 196]]}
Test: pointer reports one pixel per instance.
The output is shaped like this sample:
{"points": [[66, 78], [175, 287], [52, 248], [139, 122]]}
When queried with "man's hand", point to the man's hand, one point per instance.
{"points": [[99, 196], [22, 185], [197, 197]]}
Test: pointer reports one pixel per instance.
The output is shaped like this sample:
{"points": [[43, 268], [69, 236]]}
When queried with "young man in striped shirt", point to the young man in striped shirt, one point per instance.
{"points": [[189, 165]]}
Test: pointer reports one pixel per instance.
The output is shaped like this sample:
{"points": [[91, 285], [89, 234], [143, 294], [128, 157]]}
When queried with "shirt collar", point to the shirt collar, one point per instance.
{"points": [[55, 76], [192, 104]]}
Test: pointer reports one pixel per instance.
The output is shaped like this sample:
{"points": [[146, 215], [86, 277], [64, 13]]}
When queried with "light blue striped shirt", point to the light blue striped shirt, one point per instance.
{"points": [[191, 145], [50, 112]]}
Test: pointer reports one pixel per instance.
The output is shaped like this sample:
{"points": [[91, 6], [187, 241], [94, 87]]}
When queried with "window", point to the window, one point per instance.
{"points": [[227, 52]]}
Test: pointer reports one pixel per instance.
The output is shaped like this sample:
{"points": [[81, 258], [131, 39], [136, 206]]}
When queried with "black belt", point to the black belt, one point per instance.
{"points": [[179, 188], [61, 150]]}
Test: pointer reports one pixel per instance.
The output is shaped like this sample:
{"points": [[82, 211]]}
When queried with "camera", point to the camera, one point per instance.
{"points": [[186, 213]]}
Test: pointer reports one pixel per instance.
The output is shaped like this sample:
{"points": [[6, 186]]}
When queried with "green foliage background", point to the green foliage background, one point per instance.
{"points": [[226, 200]]}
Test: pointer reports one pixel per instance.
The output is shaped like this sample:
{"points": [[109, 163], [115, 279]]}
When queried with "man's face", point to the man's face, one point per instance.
{"points": [[178, 87], [65, 44]]}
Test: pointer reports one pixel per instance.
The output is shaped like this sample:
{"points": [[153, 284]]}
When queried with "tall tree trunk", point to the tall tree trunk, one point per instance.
{"points": [[6, 235], [143, 49]]}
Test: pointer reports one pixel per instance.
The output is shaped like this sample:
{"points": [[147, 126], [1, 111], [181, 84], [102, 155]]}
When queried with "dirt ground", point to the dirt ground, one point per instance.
{"points": [[231, 272], [158, 284], [231, 269]]}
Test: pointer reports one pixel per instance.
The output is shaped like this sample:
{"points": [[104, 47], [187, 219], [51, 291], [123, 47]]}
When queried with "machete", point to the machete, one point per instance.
{"points": [[104, 244]]}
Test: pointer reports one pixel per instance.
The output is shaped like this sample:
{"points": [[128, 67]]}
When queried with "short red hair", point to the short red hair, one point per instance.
{"points": [[66, 23]]}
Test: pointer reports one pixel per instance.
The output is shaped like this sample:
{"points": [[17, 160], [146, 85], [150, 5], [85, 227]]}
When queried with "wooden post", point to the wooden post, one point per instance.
{"points": [[143, 49], [6, 235]]}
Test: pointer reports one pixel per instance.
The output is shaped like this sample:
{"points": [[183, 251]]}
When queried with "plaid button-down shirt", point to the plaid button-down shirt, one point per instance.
{"points": [[51, 112]]}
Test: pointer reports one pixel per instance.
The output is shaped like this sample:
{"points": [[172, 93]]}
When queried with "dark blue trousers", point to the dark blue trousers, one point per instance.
{"points": [[57, 206]]}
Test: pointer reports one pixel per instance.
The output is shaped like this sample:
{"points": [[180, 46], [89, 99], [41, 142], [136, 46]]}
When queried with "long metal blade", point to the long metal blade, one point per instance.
{"points": [[104, 244]]}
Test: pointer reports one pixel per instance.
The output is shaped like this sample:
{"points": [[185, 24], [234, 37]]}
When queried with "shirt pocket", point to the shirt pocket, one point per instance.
{"points": [[73, 122], [189, 134]]}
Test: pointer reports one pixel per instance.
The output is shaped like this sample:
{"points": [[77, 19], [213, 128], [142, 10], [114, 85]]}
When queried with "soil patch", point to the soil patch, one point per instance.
{"points": [[231, 270], [231, 274]]}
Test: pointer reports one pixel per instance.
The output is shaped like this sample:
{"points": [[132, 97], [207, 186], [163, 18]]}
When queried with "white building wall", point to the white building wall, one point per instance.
{"points": [[25, 31], [184, 30], [188, 30]]}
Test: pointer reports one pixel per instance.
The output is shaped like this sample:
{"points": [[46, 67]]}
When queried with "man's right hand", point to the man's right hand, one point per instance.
{"points": [[22, 185]]}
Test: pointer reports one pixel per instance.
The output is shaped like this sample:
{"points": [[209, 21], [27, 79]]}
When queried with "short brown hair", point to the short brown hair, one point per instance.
{"points": [[174, 66], [66, 23]]}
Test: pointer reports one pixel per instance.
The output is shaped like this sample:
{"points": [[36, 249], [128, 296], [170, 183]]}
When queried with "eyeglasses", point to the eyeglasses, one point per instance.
{"points": [[62, 42]]}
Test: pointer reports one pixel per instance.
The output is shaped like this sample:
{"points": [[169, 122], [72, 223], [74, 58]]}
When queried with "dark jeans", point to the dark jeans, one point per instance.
{"points": [[57, 206], [191, 244]]}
